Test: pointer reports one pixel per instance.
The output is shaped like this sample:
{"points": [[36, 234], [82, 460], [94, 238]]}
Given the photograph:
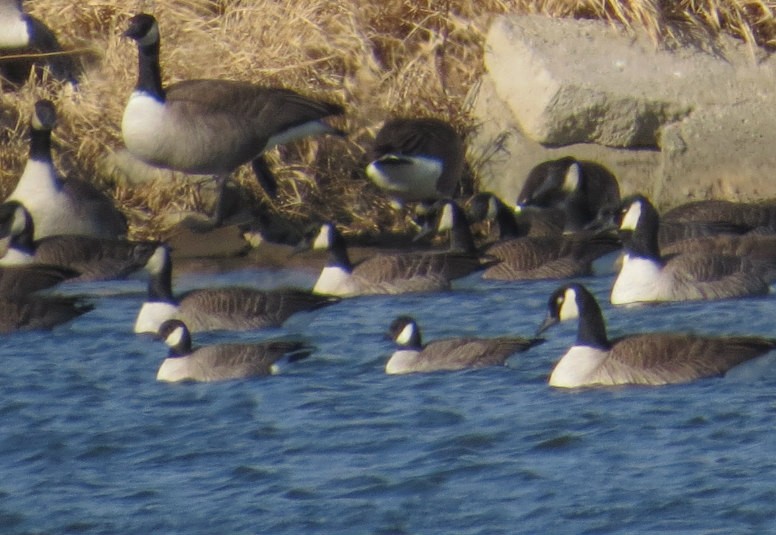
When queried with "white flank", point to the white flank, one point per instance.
{"points": [[15, 257], [13, 30], [576, 366], [638, 280], [415, 180], [143, 126], [152, 315], [334, 280]]}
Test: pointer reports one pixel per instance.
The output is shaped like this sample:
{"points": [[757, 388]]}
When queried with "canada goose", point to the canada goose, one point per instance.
{"points": [[548, 257], [486, 206], [57, 205], [757, 217], [396, 273], [33, 312], [211, 127], [449, 353], [210, 309], [20, 281], [416, 159], [30, 39], [93, 258], [646, 276], [578, 188], [222, 361], [645, 359]]}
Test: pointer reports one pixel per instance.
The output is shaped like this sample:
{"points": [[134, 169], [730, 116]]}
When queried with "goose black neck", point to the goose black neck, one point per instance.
{"points": [[182, 348], [338, 253], [23, 241], [160, 285], [643, 241], [461, 239], [508, 226], [591, 330], [40, 145], [149, 77]]}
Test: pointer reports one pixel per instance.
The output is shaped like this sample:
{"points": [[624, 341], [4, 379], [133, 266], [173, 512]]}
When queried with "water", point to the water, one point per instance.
{"points": [[90, 443]]}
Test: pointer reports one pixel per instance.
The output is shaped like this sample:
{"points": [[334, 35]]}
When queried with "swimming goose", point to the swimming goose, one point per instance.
{"points": [[93, 258], [645, 359], [27, 37], [528, 258], [34, 313], [416, 159], [578, 188], [647, 276], [61, 206], [222, 361], [210, 309], [20, 281], [486, 206], [759, 217], [211, 126], [396, 273], [448, 354]]}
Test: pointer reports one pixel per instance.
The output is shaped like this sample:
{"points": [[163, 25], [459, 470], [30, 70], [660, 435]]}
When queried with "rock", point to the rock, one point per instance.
{"points": [[675, 124]]}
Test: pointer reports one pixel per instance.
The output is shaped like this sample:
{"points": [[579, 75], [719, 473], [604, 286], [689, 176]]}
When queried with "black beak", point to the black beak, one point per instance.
{"points": [[548, 322]]}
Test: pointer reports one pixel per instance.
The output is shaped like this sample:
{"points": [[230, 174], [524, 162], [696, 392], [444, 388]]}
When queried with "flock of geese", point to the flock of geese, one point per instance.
{"points": [[568, 216]]}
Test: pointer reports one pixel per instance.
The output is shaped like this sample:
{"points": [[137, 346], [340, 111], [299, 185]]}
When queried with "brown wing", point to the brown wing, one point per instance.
{"points": [[676, 358], [94, 258], [460, 353], [234, 361], [390, 267], [23, 280]]}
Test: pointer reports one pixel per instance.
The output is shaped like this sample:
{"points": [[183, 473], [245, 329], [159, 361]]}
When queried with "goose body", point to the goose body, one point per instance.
{"points": [[57, 205], [93, 258], [35, 313], [448, 354], [643, 359], [211, 126], [416, 159], [646, 276], [209, 309], [223, 361], [406, 272], [20, 281], [757, 217], [578, 188]]}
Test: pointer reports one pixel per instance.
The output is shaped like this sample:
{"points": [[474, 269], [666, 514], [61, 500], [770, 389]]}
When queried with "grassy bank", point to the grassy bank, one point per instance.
{"points": [[393, 57]]}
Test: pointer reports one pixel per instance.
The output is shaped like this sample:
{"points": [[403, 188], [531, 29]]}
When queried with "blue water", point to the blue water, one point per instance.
{"points": [[91, 443]]}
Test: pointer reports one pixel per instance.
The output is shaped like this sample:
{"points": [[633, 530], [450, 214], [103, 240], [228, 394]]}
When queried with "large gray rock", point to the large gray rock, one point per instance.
{"points": [[689, 122]]}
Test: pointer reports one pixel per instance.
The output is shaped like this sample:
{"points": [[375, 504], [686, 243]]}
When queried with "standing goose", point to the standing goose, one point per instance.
{"points": [[27, 37], [647, 276], [448, 354], [578, 188], [211, 126], [557, 256], [223, 361], [404, 272], [644, 359], [34, 313], [210, 309], [61, 206], [93, 258], [416, 160]]}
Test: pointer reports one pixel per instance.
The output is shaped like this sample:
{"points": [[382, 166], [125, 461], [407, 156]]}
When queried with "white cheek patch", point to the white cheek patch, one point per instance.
{"points": [[151, 37], [323, 239], [175, 337], [492, 208], [631, 219], [157, 261], [446, 219], [569, 309], [571, 180], [406, 334]]}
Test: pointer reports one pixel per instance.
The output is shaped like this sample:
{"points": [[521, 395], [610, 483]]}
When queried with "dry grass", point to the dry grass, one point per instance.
{"points": [[393, 57]]}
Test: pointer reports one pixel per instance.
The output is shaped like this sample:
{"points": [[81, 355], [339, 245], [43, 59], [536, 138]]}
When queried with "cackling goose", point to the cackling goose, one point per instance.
{"points": [[210, 309], [416, 159], [448, 354], [222, 361], [93, 258], [211, 126], [647, 276], [644, 359], [57, 205]]}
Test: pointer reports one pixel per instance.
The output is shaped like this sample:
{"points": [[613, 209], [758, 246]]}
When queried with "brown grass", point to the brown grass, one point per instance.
{"points": [[393, 57]]}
